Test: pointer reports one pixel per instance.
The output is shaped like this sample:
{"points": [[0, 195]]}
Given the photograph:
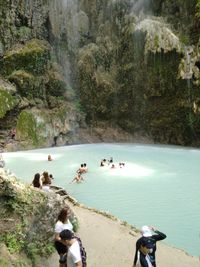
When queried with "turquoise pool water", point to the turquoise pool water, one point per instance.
{"points": [[158, 186]]}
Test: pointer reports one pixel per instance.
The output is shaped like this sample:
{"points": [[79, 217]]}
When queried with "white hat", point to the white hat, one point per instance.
{"points": [[145, 231]]}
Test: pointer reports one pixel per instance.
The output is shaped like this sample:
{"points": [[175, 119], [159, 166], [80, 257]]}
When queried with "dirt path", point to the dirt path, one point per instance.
{"points": [[110, 244]]}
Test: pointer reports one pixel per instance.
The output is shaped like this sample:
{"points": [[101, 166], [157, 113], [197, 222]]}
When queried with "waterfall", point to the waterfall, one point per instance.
{"points": [[67, 19], [140, 6], [68, 22], [61, 14], [188, 63]]}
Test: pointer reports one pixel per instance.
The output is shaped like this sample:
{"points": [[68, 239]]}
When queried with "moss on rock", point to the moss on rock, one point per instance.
{"points": [[28, 85], [7, 102], [27, 127], [23, 34], [32, 57], [56, 85]]}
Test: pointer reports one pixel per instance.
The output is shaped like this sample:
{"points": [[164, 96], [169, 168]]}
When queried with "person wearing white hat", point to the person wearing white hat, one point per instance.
{"points": [[146, 231], [149, 232]]}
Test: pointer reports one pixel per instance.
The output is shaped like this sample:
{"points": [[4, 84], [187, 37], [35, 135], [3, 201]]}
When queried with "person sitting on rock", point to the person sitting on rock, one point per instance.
{"points": [[46, 181], [36, 181]]}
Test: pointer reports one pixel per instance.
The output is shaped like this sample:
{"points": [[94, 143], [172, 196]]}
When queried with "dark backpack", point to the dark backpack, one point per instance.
{"points": [[83, 252]]}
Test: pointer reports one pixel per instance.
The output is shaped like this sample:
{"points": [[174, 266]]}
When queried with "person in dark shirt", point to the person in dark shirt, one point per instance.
{"points": [[143, 258], [146, 232]]}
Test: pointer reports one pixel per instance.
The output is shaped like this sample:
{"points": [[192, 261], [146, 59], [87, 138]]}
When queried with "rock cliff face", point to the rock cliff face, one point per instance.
{"points": [[67, 67], [36, 97]]}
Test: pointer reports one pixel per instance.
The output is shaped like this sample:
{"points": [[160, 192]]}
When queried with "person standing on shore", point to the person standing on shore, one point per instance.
{"points": [[73, 255], [143, 258], [62, 223], [146, 232]]}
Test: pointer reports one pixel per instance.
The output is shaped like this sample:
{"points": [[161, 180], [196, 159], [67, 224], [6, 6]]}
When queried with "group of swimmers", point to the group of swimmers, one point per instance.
{"points": [[105, 162], [42, 181]]}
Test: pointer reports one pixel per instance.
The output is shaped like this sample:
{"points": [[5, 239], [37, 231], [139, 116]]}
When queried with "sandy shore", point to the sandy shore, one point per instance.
{"points": [[108, 243]]}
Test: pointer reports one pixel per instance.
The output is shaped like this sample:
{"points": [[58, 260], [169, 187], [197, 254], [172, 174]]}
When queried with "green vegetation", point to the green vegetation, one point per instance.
{"points": [[21, 204], [75, 224], [21, 263], [3, 262], [13, 242], [31, 57], [115, 82], [198, 9], [27, 127], [184, 39], [28, 85], [7, 102], [56, 85], [23, 33], [35, 249]]}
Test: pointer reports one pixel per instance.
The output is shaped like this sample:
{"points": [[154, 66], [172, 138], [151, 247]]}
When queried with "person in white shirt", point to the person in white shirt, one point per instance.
{"points": [[45, 181], [73, 256], [62, 223]]}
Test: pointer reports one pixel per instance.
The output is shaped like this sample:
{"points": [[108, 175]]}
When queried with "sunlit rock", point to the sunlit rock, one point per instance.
{"points": [[158, 36]]}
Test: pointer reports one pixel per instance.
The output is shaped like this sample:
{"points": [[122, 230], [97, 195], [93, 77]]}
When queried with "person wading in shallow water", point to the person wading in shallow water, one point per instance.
{"points": [[78, 178], [146, 232]]}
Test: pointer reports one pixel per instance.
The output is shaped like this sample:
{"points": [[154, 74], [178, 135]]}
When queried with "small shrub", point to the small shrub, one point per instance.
{"points": [[75, 224], [3, 263], [12, 243], [32, 251]]}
